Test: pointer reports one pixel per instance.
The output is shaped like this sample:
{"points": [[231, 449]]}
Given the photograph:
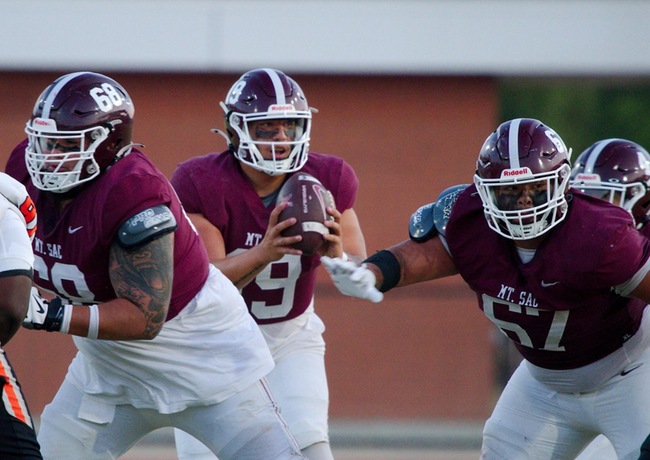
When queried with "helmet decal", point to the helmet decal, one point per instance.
{"points": [[54, 92], [513, 144]]}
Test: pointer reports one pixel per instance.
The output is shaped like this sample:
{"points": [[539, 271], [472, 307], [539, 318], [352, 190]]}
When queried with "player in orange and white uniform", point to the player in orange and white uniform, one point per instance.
{"points": [[17, 214]]}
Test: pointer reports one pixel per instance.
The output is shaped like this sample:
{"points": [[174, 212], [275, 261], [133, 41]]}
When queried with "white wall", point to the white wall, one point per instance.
{"points": [[487, 37]]}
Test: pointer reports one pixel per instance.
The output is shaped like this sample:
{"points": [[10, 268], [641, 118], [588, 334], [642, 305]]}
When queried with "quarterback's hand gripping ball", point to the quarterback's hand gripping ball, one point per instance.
{"points": [[352, 279], [307, 201]]}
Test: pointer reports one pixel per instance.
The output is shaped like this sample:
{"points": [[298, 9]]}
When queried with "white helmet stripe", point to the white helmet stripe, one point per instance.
{"points": [[277, 86], [595, 153], [47, 105], [513, 143]]}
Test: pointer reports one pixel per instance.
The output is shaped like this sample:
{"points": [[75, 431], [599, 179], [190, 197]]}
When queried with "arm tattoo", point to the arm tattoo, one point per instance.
{"points": [[250, 275], [144, 276]]}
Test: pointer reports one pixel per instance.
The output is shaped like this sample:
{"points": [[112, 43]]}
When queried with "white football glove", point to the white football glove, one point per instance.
{"points": [[50, 316], [352, 279]]}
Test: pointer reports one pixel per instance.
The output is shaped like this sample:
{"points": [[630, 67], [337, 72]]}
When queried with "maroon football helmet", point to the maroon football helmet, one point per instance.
{"points": [[81, 124], [267, 94], [520, 152], [616, 170]]}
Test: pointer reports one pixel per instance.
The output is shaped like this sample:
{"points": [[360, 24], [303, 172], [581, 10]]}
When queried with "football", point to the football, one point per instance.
{"points": [[308, 202]]}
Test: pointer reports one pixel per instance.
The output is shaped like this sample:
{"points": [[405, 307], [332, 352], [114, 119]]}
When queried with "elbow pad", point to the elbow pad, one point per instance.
{"points": [[146, 226]]}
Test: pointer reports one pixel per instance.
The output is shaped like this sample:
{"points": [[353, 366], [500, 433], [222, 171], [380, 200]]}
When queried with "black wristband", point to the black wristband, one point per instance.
{"points": [[389, 267]]}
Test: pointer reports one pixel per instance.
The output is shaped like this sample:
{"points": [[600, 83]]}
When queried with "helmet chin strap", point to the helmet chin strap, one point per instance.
{"points": [[124, 151], [221, 133], [520, 231]]}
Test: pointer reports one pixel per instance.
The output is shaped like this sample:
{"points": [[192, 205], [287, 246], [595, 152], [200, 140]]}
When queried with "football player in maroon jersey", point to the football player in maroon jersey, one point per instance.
{"points": [[616, 170], [564, 275], [164, 338], [230, 196]]}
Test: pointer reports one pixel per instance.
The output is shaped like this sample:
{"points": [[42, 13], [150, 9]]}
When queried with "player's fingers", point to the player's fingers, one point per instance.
{"points": [[288, 250], [279, 227], [360, 274], [334, 265], [332, 211], [287, 241], [333, 227], [331, 264], [374, 295]]}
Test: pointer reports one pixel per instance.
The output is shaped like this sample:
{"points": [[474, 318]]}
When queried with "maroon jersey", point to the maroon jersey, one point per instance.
{"points": [[215, 186], [559, 309], [72, 246]]}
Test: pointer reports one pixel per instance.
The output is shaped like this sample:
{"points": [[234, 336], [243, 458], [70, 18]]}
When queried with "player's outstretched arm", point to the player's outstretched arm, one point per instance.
{"points": [[401, 265], [420, 262]]}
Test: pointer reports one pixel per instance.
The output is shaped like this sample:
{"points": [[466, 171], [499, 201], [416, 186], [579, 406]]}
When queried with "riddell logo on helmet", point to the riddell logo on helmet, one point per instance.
{"points": [[282, 108], [516, 172], [588, 177], [46, 124]]}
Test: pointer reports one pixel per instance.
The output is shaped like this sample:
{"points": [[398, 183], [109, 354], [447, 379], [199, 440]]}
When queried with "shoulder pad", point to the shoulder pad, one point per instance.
{"points": [[146, 226], [431, 219], [421, 226], [444, 203]]}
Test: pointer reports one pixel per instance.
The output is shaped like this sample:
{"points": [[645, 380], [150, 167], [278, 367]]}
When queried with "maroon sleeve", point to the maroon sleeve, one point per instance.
{"points": [[185, 187], [349, 186]]}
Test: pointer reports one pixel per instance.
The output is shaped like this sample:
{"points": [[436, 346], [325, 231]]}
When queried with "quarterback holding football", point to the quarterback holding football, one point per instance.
{"points": [[262, 247]]}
